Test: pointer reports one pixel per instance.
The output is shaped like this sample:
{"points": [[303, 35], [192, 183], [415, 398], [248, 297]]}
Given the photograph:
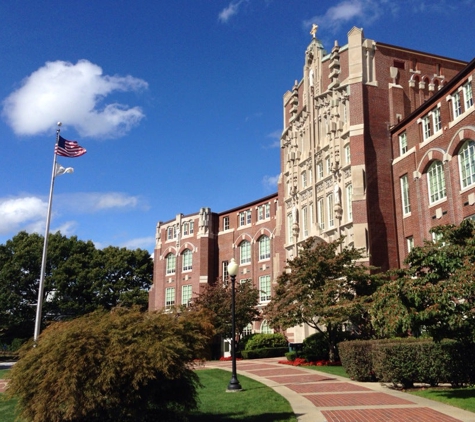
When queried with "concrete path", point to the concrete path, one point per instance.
{"points": [[319, 397]]}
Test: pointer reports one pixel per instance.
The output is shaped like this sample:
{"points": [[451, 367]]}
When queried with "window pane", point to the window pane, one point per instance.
{"points": [[245, 251], [187, 260], [264, 247], [171, 263], [264, 288], [436, 182], [467, 164]]}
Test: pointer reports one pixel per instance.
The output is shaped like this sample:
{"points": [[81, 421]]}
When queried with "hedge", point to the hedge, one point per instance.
{"points": [[266, 352], [407, 361]]}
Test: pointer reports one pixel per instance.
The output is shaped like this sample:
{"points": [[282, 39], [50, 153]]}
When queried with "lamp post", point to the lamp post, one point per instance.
{"points": [[234, 383]]}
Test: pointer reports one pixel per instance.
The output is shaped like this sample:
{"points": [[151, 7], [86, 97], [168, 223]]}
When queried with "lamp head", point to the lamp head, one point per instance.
{"points": [[233, 267]]}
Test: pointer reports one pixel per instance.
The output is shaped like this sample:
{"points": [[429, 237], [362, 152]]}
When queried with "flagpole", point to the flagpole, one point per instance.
{"points": [[45, 246]]}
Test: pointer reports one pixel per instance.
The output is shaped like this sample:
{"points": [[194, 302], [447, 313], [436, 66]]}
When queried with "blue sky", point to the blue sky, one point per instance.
{"points": [[178, 103]]}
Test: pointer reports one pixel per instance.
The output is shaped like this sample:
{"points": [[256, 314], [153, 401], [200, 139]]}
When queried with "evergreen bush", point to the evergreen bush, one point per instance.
{"points": [[261, 341]]}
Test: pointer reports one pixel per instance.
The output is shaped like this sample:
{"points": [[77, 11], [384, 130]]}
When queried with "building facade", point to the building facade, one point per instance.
{"points": [[378, 145]]}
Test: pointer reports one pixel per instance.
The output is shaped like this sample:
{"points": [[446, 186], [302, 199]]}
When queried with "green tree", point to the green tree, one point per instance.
{"points": [[436, 292], [216, 300], [324, 287], [78, 279], [122, 365]]}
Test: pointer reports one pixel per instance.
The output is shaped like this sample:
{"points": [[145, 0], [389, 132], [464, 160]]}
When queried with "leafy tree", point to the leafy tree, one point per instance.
{"points": [[324, 287], [436, 292], [216, 300], [78, 279], [122, 365]]}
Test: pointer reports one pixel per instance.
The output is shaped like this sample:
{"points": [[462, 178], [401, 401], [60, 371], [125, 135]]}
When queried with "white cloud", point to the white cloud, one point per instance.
{"points": [[90, 202], [22, 213], [147, 243], [270, 181], [72, 94], [229, 11], [361, 11]]}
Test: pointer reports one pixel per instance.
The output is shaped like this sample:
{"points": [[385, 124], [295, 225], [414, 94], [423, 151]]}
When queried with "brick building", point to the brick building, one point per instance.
{"points": [[342, 168]]}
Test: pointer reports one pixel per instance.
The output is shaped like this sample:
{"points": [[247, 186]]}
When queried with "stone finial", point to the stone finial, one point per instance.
{"points": [[313, 31]]}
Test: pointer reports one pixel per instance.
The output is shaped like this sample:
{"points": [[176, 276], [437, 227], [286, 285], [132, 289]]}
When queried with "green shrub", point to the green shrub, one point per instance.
{"points": [[266, 352], [315, 347], [356, 358], [291, 356], [122, 365], [261, 341]]}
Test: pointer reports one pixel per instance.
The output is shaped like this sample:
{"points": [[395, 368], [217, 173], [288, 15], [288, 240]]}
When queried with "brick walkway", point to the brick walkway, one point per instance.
{"points": [[319, 397]]}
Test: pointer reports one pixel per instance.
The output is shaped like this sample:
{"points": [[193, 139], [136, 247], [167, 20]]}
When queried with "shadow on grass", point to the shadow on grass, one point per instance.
{"points": [[268, 417], [457, 393]]}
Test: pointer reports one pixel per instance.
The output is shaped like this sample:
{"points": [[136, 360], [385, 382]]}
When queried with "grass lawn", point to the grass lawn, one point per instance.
{"points": [[463, 398], [256, 403], [7, 409], [332, 370], [4, 373]]}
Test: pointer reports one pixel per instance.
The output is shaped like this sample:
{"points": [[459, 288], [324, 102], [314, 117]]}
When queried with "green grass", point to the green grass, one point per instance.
{"points": [[463, 398], [256, 403], [7, 409], [4, 374], [332, 370]]}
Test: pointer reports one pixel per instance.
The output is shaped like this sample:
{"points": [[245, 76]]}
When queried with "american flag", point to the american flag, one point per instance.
{"points": [[67, 148]]}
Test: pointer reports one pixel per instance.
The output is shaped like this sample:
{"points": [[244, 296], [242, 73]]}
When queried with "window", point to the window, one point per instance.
{"points": [[187, 260], [410, 243], [267, 210], [437, 237], [171, 233], [467, 164], [185, 229], [436, 182], [468, 95], [226, 223], [403, 143], [319, 170], [304, 179], [171, 263], [264, 288], [245, 252], [305, 221], [406, 202], [169, 297], [260, 213], [456, 105], [347, 154], [265, 329], [186, 293], [289, 228], [321, 214], [426, 127], [192, 227], [328, 165], [225, 271], [330, 210], [247, 330], [264, 247], [349, 201], [436, 122], [245, 218]]}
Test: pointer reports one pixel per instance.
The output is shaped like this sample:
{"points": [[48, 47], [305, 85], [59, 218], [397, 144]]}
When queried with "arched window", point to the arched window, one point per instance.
{"points": [[264, 247], [245, 252], [187, 260], [436, 182], [171, 263], [467, 164]]}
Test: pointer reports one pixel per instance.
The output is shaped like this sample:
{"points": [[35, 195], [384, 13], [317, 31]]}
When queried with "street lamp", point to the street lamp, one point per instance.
{"points": [[232, 271]]}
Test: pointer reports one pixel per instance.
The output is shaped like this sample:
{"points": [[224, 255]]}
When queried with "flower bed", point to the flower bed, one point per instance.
{"points": [[229, 358]]}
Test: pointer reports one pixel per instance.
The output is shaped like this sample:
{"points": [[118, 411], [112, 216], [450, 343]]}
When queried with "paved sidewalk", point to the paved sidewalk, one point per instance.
{"points": [[319, 397]]}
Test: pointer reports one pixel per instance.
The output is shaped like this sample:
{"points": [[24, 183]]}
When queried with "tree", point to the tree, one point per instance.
{"points": [[216, 300], [78, 279], [436, 292], [323, 287], [122, 365]]}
